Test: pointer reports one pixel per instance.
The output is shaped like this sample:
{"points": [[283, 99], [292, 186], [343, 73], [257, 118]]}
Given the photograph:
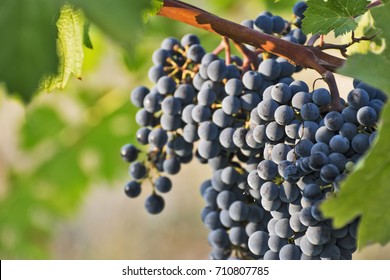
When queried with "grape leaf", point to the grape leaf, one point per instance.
{"points": [[366, 192], [28, 44], [120, 19], [69, 47], [338, 15], [366, 67], [154, 8], [86, 38]]}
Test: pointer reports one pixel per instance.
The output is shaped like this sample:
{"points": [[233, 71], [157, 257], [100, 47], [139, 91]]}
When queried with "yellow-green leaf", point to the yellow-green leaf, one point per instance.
{"points": [[155, 7], [69, 48]]}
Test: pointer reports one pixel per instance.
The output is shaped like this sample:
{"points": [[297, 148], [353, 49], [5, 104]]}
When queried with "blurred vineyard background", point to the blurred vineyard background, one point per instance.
{"points": [[61, 176]]}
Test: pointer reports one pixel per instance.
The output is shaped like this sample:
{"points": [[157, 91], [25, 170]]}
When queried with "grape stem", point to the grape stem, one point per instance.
{"points": [[224, 46], [250, 60], [306, 56]]}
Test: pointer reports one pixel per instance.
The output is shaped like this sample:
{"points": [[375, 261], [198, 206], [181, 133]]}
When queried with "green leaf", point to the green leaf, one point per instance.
{"points": [[366, 192], [366, 67], [338, 15], [28, 44], [70, 48], [154, 8], [120, 19], [86, 38]]}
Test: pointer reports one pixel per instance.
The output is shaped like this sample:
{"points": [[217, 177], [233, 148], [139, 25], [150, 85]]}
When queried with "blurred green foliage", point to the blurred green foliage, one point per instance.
{"points": [[28, 44], [63, 160]]}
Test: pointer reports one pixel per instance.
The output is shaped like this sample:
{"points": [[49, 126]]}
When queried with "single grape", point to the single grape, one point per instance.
{"points": [[318, 234], [189, 40], [267, 169], [234, 87], [137, 170], [278, 24], [284, 115], [263, 23], [231, 105], [211, 220], [208, 130], [249, 100], [238, 211], [299, 8], [166, 85], [367, 116], [137, 95], [274, 131], [300, 98], [133, 189], [206, 96], [195, 52], [281, 93], [154, 204], [310, 112], [299, 86], [283, 229], [266, 109], [270, 69], [339, 144], [360, 143], [158, 137], [142, 135], [221, 119], [258, 243], [358, 98], [309, 248], [129, 152], [163, 184], [321, 97], [238, 236], [334, 121], [172, 165], [185, 93], [290, 252], [312, 192], [217, 71], [219, 238]]}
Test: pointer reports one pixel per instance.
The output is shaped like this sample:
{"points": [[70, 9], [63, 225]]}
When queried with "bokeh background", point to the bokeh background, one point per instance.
{"points": [[61, 176]]}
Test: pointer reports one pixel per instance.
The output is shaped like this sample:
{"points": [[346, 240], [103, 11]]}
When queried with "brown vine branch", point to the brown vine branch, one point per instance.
{"points": [[306, 56], [374, 3], [343, 48]]}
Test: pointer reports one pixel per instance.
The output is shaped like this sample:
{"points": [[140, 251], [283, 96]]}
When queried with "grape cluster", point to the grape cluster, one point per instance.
{"points": [[276, 154]]}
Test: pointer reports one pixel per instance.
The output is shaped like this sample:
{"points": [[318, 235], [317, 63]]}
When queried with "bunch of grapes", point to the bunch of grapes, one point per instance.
{"points": [[275, 151]]}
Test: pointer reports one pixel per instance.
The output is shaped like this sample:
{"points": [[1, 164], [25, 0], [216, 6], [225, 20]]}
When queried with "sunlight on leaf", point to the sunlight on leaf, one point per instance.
{"points": [[70, 48], [339, 15]]}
